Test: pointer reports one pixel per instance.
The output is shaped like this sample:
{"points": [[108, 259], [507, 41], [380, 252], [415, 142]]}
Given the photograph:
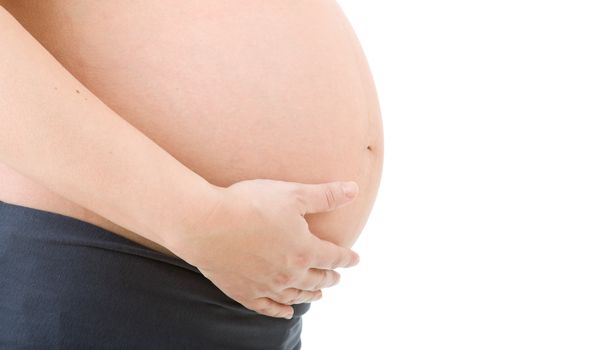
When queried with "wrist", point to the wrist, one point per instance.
{"points": [[190, 215]]}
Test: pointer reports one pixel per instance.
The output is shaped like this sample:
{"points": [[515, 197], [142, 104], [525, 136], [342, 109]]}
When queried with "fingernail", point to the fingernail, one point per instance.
{"points": [[288, 316], [350, 189]]}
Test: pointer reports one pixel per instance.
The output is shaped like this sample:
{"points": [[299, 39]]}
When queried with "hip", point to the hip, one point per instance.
{"points": [[66, 283]]}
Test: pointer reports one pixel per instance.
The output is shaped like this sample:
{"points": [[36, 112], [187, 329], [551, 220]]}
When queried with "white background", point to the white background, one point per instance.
{"points": [[484, 232]]}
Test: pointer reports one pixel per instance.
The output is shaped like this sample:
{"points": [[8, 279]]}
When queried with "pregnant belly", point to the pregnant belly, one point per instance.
{"points": [[234, 90]]}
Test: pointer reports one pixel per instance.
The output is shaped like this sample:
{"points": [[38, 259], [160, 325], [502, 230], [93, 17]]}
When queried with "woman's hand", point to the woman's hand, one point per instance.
{"points": [[256, 246]]}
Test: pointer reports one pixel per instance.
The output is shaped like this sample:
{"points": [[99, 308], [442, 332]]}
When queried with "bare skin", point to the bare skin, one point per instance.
{"points": [[164, 94], [291, 271]]}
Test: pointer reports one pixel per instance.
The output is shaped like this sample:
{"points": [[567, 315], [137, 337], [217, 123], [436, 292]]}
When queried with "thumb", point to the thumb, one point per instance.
{"points": [[327, 196]]}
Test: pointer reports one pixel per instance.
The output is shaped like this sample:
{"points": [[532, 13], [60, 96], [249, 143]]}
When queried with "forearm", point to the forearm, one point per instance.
{"points": [[55, 131]]}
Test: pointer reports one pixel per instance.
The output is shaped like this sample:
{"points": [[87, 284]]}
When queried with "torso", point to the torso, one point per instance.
{"points": [[235, 90]]}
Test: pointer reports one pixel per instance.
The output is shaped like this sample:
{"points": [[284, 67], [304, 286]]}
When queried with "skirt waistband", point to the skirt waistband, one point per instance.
{"points": [[73, 231], [69, 284]]}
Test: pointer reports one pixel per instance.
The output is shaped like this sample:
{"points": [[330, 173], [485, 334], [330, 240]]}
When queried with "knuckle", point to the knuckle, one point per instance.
{"points": [[291, 296], [302, 260], [297, 193], [262, 290], [255, 308], [289, 300], [293, 279], [296, 189], [330, 198], [295, 296], [311, 297], [260, 303], [336, 261], [282, 279], [264, 311], [322, 282], [299, 197], [262, 306], [331, 278], [280, 313]]}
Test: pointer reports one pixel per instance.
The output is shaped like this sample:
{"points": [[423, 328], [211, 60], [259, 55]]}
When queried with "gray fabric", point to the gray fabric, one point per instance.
{"points": [[68, 284]]}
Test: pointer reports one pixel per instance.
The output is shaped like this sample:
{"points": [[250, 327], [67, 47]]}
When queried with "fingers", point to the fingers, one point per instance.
{"points": [[326, 196], [329, 256], [292, 296], [269, 307], [316, 279]]}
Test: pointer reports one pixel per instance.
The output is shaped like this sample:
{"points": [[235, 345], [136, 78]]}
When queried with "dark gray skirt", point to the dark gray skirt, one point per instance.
{"points": [[68, 284]]}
